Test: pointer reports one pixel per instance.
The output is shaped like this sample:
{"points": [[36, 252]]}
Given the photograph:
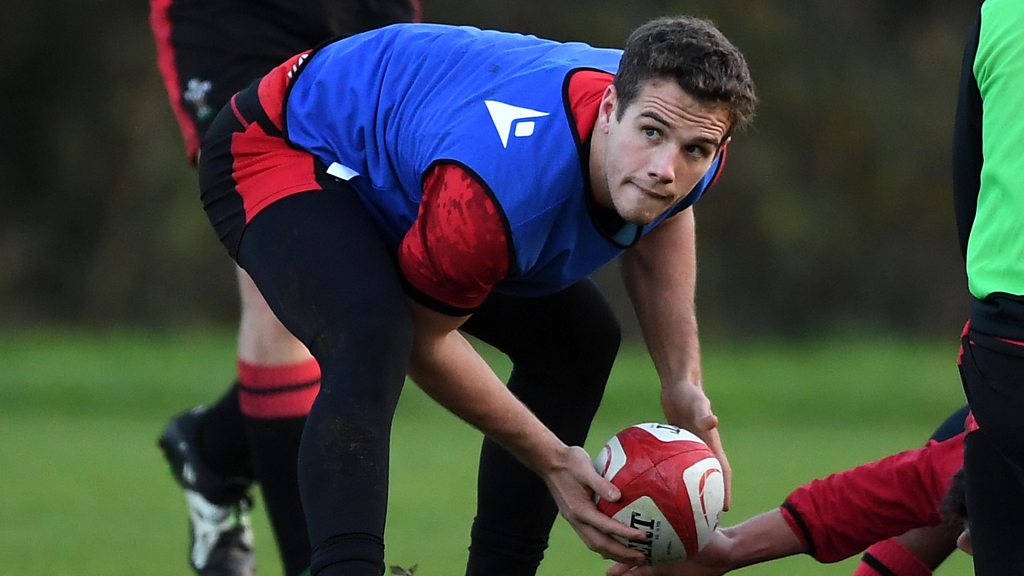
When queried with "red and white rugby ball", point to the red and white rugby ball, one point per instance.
{"points": [[672, 488]]}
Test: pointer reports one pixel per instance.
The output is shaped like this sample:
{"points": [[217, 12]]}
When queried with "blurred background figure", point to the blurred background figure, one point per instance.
{"points": [[207, 51], [989, 200]]}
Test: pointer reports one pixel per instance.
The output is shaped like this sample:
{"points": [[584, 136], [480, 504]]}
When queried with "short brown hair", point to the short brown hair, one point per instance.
{"points": [[954, 503], [697, 56]]}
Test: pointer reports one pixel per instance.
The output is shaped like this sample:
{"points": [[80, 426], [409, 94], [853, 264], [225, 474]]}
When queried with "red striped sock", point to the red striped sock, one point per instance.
{"points": [[283, 391], [889, 558], [275, 401]]}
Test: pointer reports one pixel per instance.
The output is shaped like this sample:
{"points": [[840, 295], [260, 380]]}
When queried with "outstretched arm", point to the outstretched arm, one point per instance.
{"points": [[764, 537], [836, 517], [447, 368], [660, 275]]}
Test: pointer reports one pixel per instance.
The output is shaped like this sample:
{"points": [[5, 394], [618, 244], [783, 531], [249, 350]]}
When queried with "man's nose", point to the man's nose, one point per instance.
{"points": [[661, 166]]}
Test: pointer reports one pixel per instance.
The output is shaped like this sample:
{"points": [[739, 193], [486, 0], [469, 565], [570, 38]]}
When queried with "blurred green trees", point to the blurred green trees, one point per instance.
{"points": [[834, 210]]}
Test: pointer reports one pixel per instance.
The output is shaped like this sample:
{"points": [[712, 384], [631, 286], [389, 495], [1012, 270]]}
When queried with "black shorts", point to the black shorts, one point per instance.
{"points": [[992, 373], [209, 49]]}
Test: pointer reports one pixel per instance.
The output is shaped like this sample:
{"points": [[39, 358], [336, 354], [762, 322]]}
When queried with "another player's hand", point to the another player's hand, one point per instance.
{"points": [[964, 542], [712, 560], [573, 484], [687, 406]]}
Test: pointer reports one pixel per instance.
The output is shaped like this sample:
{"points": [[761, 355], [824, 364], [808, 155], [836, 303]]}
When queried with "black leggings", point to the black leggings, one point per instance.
{"points": [[324, 269]]}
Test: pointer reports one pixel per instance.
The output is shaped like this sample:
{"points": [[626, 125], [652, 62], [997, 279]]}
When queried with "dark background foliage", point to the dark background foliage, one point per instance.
{"points": [[834, 212]]}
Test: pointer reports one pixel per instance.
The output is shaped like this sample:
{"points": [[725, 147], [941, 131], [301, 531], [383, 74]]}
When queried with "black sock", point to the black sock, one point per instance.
{"points": [[274, 447], [223, 444]]}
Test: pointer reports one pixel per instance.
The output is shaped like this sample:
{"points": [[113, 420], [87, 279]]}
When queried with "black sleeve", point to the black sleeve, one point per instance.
{"points": [[967, 156]]}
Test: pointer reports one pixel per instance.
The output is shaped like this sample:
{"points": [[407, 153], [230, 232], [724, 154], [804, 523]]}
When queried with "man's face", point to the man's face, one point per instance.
{"points": [[659, 150]]}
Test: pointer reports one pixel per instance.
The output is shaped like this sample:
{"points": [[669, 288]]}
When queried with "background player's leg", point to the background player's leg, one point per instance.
{"points": [[278, 381]]}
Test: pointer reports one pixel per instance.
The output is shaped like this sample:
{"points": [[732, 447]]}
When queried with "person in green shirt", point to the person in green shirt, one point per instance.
{"points": [[988, 169]]}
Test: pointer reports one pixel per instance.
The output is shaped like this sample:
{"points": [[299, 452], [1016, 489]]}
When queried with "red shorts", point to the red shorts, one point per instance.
{"points": [[247, 164]]}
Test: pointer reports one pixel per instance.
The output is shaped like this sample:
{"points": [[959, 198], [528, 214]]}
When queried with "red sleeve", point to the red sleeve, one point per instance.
{"points": [[843, 514], [586, 88], [458, 247], [888, 558]]}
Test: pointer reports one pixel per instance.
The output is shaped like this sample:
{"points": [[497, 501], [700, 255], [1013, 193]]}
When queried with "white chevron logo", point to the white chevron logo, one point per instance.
{"points": [[505, 116]]}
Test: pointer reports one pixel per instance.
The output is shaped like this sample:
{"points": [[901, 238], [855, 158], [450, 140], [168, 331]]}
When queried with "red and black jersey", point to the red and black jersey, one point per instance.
{"points": [[844, 513], [208, 50]]}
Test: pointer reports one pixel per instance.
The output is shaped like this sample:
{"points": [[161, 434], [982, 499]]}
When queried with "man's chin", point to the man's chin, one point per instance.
{"points": [[641, 217], [642, 212]]}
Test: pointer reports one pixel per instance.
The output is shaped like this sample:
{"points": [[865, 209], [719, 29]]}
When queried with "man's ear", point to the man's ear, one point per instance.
{"points": [[606, 111]]}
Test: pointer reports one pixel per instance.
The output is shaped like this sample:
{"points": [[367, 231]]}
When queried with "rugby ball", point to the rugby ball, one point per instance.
{"points": [[672, 488]]}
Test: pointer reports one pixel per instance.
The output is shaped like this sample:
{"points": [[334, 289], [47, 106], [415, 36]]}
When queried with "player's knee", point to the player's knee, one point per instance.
{"points": [[261, 321], [366, 341]]}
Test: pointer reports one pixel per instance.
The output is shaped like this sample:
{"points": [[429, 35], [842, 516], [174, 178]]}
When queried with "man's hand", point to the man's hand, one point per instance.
{"points": [[573, 484], [687, 406], [447, 368], [964, 543]]}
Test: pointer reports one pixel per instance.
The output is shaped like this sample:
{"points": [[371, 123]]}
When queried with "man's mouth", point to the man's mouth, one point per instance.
{"points": [[661, 196]]}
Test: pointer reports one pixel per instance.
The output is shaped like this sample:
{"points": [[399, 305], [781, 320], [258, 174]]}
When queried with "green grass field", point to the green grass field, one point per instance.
{"points": [[84, 491]]}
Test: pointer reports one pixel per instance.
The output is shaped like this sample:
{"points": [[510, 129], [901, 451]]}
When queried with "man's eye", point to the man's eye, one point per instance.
{"points": [[696, 150], [651, 133]]}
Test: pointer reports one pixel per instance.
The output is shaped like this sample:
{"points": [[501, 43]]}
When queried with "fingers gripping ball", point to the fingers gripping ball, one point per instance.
{"points": [[672, 488]]}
